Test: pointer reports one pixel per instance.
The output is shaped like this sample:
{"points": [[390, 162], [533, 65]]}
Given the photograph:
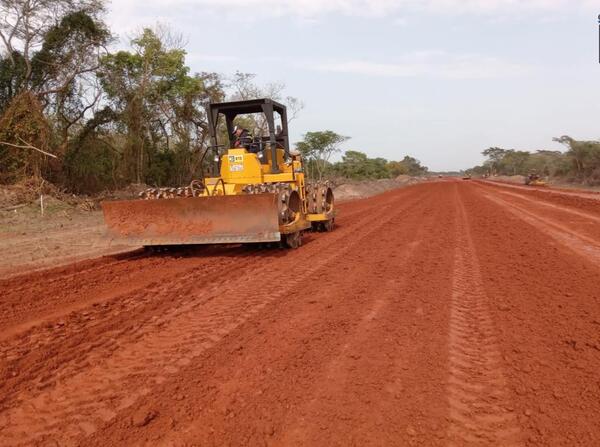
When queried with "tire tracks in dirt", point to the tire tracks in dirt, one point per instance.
{"points": [[63, 289], [68, 342], [545, 190], [545, 303], [72, 341], [433, 315], [574, 240], [361, 355], [168, 342], [252, 387], [549, 205], [480, 410]]}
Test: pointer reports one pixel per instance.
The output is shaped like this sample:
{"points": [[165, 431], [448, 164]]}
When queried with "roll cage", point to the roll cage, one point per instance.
{"points": [[268, 108]]}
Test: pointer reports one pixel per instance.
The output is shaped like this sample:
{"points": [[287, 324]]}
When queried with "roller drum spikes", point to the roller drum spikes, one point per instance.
{"points": [[288, 199], [195, 189], [319, 197]]}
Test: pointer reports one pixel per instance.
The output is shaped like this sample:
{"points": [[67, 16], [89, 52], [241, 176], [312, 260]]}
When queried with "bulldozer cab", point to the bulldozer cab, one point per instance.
{"points": [[272, 148]]}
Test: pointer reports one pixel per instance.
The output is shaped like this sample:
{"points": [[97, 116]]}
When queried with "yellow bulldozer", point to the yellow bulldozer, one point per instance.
{"points": [[256, 191], [534, 179]]}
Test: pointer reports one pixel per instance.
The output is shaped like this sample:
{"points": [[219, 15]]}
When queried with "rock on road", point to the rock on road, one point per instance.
{"points": [[447, 313]]}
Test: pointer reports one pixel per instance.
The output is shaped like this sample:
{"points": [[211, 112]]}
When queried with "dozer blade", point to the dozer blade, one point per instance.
{"points": [[194, 220]]}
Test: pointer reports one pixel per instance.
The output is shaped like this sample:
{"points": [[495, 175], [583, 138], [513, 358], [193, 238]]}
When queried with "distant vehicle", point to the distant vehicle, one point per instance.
{"points": [[534, 179], [467, 177]]}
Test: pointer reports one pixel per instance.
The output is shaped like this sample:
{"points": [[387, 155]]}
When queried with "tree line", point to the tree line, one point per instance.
{"points": [[318, 148], [580, 162], [86, 118]]}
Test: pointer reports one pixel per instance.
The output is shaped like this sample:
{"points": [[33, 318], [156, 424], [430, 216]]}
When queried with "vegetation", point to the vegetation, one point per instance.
{"points": [[357, 165], [317, 149], [88, 119], [579, 163]]}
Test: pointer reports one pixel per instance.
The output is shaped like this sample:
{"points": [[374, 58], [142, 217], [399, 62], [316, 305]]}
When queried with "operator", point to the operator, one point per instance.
{"points": [[241, 137]]}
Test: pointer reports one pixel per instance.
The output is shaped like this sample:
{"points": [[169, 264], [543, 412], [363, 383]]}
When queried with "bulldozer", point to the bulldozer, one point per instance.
{"points": [[534, 179], [255, 192]]}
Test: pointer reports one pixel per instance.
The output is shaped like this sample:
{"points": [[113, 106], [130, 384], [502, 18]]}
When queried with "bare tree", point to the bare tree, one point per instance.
{"points": [[244, 87], [24, 23]]}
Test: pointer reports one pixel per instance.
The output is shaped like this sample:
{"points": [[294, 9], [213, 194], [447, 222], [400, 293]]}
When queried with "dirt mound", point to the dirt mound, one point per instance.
{"points": [[348, 189], [25, 192], [28, 193]]}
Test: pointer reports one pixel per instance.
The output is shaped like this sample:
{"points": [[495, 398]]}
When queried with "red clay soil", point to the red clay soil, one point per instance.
{"points": [[447, 313]]}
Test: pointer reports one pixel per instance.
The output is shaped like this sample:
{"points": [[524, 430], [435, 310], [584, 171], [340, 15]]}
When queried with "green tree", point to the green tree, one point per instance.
{"points": [[24, 133], [48, 45], [514, 162], [357, 165], [159, 104], [495, 156], [50, 51], [584, 156], [396, 168], [318, 148], [413, 166]]}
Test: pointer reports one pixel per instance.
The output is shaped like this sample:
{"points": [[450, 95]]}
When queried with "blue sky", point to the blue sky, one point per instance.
{"points": [[437, 79]]}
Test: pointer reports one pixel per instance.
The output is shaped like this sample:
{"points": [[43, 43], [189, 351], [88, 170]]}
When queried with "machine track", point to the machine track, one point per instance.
{"points": [[447, 313]]}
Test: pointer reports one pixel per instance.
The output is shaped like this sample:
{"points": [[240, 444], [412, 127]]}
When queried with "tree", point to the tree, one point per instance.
{"points": [[318, 148], [413, 166], [39, 28], [160, 107], [243, 86], [357, 165], [585, 157], [581, 161], [137, 84], [515, 162], [24, 136], [495, 156], [396, 168], [64, 70], [51, 50], [353, 165]]}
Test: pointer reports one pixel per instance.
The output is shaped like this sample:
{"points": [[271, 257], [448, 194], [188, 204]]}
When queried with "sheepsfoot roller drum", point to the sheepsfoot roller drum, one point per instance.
{"points": [[194, 220], [289, 211], [319, 196]]}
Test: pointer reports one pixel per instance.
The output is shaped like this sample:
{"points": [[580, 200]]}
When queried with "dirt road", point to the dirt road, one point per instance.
{"points": [[447, 313]]}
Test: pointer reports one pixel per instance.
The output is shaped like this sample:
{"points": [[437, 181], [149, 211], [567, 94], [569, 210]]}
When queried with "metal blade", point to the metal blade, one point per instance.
{"points": [[194, 220]]}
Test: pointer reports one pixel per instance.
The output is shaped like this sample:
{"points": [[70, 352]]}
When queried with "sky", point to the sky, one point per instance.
{"points": [[440, 80]]}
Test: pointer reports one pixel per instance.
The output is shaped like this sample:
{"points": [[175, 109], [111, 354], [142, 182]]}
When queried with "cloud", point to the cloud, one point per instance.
{"points": [[128, 15], [195, 57], [432, 64], [378, 8]]}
